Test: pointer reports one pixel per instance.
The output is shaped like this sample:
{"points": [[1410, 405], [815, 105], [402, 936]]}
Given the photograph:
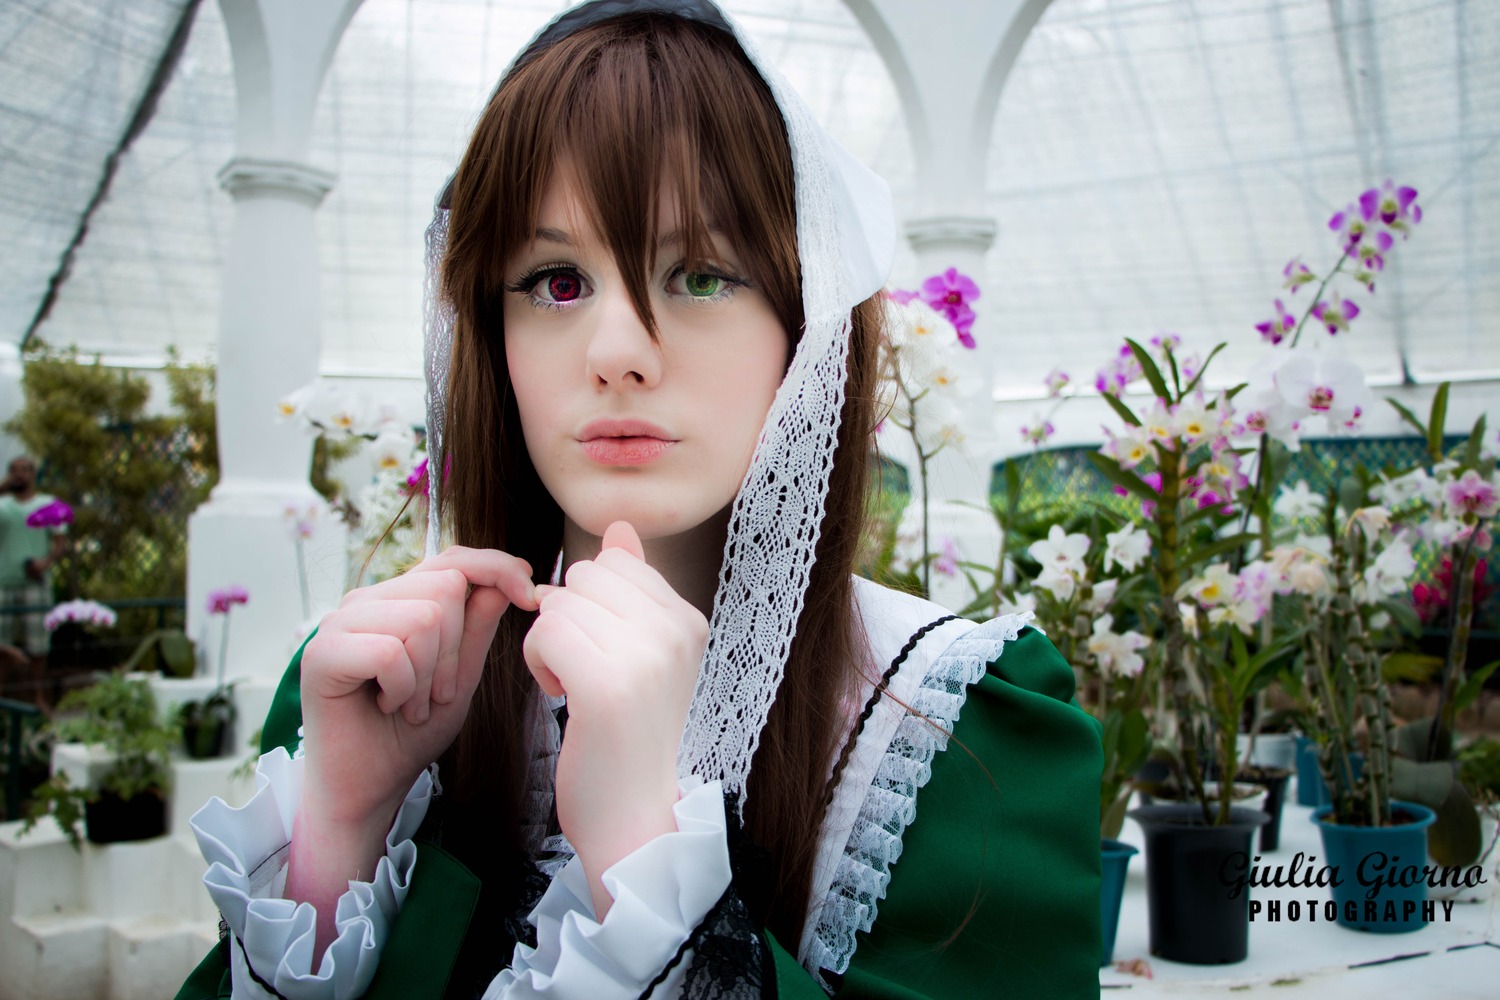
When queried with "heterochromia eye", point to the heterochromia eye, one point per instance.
{"points": [[563, 287], [701, 284]]}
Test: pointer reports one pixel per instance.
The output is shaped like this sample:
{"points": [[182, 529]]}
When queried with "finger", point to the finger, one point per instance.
{"points": [[482, 613], [602, 626], [612, 591], [488, 568], [621, 535], [418, 624], [642, 575], [348, 662], [558, 646]]}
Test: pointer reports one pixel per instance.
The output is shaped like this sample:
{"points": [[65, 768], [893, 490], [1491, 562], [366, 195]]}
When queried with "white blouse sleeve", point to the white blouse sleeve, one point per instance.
{"points": [[247, 853], [661, 892]]}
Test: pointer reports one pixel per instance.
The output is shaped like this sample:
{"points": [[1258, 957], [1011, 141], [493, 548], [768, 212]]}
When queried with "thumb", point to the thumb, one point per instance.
{"points": [[620, 535]]}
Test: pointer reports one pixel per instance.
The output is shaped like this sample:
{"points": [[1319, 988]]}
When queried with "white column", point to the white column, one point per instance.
{"points": [[948, 69], [270, 342]]}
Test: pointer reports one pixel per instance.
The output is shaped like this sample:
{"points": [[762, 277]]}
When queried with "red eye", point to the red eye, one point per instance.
{"points": [[564, 287]]}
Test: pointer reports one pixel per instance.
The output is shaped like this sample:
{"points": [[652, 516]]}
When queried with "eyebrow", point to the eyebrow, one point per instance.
{"points": [[546, 234]]}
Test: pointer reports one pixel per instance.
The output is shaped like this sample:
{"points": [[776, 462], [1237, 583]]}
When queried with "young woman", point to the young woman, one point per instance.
{"points": [[640, 731]]}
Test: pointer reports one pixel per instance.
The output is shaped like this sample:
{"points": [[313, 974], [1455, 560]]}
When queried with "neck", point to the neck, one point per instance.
{"points": [[26, 493], [689, 561]]}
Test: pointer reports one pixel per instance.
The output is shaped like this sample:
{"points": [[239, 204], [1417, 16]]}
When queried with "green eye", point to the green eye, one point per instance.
{"points": [[702, 285]]}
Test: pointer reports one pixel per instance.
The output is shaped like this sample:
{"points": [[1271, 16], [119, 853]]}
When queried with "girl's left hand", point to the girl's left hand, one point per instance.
{"points": [[625, 649]]}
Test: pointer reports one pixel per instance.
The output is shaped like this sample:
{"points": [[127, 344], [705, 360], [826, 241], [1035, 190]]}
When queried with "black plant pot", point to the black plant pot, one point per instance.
{"points": [[111, 819], [1193, 917], [1274, 781], [205, 740]]}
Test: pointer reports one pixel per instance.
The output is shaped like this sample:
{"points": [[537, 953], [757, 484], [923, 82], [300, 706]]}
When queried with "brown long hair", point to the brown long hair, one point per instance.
{"points": [[629, 102]]}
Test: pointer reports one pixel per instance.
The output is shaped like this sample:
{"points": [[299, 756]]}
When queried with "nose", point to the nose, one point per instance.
{"points": [[621, 352]]}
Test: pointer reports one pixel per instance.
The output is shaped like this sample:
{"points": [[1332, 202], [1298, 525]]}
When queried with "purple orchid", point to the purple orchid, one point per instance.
{"points": [[1351, 225], [1056, 381], [1038, 432], [1278, 329], [416, 479], [1335, 313], [220, 601], [900, 296], [1297, 274], [950, 294], [50, 515], [947, 561], [1394, 206]]}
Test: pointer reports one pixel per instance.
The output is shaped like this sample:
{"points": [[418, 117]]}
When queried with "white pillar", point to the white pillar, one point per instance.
{"points": [[270, 342], [948, 70]]}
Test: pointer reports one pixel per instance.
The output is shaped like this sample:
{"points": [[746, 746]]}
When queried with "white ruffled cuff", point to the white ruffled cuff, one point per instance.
{"points": [[246, 852], [661, 892]]}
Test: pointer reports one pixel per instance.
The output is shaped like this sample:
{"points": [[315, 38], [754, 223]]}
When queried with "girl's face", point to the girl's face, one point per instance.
{"points": [[620, 426]]}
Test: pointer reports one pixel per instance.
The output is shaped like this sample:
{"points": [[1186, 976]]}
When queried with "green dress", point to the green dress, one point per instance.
{"points": [[996, 892]]}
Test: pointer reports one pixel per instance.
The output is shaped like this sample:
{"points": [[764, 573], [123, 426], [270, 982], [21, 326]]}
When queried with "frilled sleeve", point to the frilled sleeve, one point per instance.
{"points": [[272, 939], [661, 891]]}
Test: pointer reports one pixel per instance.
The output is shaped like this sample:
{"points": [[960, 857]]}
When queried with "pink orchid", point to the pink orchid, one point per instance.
{"points": [[50, 515], [1472, 494], [950, 294], [1278, 329], [220, 601]]}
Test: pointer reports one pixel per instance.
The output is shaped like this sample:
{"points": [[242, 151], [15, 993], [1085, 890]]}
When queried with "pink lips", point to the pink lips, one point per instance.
{"points": [[624, 442]]}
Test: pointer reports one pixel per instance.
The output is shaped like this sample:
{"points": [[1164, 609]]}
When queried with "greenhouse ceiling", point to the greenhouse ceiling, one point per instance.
{"points": [[1154, 165]]}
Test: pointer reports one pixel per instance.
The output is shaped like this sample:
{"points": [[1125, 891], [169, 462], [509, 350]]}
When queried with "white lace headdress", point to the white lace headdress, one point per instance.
{"points": [[846, 237]]}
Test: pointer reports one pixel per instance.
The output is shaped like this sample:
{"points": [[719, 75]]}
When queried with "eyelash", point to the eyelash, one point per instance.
{"points": [[526, 284]]}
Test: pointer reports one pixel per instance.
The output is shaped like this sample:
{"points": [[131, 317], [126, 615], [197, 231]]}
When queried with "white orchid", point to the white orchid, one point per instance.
{"points": [[1060, 551], [923, 342], [1115, 652], [392, 449], [1127, 547], [1215, 586], [1373, 520], [1101, 596], [1023, 604], [1319, 383], [1060, 583], [1241, 614], [1389, 573], [1298, 501]]}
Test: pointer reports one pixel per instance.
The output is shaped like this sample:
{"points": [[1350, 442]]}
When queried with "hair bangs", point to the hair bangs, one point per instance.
{"points": [[643, 109]]}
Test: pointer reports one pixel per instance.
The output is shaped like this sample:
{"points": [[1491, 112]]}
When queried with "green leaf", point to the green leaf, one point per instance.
{"points": [[1475, 444], [1176, 375], [1408, 416], [1455, 838], [1410, 740], [1435, 421], [1125, 413], [1426, 784], [1414, 668], [1216, 548], [1149, 369], [1469, 690], [1404, 615], [1123, 477], [1204, 368]]}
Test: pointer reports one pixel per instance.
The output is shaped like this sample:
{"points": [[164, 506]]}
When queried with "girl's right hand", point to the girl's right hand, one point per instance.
{"points": [[386, 684]]}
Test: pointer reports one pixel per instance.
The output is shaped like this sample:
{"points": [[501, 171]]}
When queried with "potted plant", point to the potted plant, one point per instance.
{"points": [[119, 715], [207, 723], [77, 629], [1456, 500]]}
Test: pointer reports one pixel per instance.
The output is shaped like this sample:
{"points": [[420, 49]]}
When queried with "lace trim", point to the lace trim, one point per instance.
{"points": [[874, 844]]}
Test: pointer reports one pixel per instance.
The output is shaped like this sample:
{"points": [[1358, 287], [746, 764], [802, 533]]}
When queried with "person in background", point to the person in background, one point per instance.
{"points": [[27, 555]]}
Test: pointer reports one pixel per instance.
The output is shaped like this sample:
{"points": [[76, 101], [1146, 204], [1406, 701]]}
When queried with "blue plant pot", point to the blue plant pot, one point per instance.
{"points": [[1310, 790], [1116, 857], [1380, 851]]}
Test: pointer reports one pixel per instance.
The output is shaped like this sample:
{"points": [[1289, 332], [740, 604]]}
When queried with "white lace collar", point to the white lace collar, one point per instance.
{"points": [[876, 797]]}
